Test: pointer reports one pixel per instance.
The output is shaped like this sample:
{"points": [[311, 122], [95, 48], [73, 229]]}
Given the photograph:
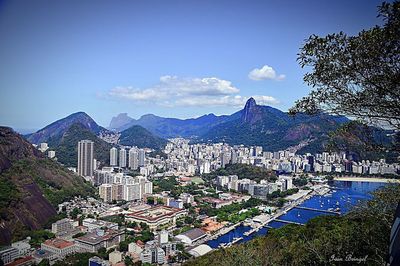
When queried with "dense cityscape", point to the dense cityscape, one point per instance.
{"points": [[140, 215]]}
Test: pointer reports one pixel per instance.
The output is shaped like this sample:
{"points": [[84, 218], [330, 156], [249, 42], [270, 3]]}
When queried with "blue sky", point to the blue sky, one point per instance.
{"points": [[170, 58]]}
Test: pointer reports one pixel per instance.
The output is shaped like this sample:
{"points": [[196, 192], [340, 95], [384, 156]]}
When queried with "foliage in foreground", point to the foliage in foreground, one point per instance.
{"points": [[361, 234], [356, 76]]}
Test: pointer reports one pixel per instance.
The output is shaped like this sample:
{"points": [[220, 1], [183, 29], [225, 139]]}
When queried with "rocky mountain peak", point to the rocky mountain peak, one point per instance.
{"points": [[249, 110]]}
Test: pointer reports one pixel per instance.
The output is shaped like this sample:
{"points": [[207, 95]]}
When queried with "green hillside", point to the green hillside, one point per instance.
{"points": [[31, 186], [142, 138], [66, 145]]}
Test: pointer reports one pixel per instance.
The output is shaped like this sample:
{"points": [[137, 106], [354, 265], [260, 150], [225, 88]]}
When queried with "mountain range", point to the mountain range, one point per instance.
{"points": [[168, 127], [253, 125]]}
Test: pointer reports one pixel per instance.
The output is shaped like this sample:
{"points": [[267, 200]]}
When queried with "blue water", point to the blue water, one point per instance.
{"points": [[344, 195]]}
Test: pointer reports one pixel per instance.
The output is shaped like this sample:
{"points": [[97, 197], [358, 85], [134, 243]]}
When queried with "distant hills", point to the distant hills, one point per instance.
{"points": [[67, 149], [141, 137], [64, 134], [168, 127], [274, 130], [56, 129], [253, 125], [31, 186]]}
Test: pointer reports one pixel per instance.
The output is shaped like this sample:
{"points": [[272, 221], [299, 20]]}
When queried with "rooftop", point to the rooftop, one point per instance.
{"points": [[98, 236], [200, 250], [21, 261], [155, 212], [58, 243], [194, 233]]}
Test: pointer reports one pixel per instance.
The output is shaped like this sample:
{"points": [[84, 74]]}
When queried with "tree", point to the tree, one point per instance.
{"points": [[74, 213], [44, 262], [123, 246], [160, 201], [128, 261], [102, 252], [356, 76], [150, 200]]}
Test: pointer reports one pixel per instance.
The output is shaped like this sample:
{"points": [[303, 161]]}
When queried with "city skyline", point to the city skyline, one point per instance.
{"points": [[174, 59]]}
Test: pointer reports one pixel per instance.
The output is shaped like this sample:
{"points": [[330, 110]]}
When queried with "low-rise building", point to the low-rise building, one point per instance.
{"points": [[61, 226], [115, 257], [96, 261], [93, 241], [134, 248], [200, 250], [226, 200], [58, 246], [156, 216], [24, 261], [153, 255], [42, 254], [191, 236], [94, 224], [22, 246], [8, 254]]}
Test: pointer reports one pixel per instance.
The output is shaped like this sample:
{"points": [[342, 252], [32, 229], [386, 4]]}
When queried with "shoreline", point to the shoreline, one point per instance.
{"points": [[367, 179]]}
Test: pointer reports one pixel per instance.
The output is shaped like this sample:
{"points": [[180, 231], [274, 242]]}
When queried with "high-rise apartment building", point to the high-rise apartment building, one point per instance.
{"points": [[85, 158], [105, 191], [141, 157], [122, 158], [133, 159], [113, 156]]}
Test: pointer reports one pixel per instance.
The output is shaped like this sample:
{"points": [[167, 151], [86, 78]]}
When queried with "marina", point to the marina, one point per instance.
{"points": [[336, 199]]}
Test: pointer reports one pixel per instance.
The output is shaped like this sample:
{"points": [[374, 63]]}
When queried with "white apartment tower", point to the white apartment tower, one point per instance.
{"points": [[122, 158], [85, 158], [133, 159], [113, 156], [141, 157]]}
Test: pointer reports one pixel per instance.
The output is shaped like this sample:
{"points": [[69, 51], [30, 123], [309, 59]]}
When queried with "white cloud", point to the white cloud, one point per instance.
{"points": [[138, 94], [266, 72], [175, 91], [196, 86]]}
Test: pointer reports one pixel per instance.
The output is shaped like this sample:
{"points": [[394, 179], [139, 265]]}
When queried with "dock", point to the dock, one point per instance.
{"points": [[288, 222], [317, 210]]}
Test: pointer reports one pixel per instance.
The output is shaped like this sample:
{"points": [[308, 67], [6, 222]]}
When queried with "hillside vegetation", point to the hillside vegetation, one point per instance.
{"points": [[142, 138], [31, 186], [243, 171], [66, 145]]}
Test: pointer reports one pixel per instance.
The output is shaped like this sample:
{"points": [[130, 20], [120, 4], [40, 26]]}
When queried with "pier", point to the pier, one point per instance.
{"points": [[288, 222], [317, 210]]}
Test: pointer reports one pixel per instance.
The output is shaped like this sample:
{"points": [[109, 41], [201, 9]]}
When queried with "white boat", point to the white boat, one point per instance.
{"points": [[236, 239]]}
